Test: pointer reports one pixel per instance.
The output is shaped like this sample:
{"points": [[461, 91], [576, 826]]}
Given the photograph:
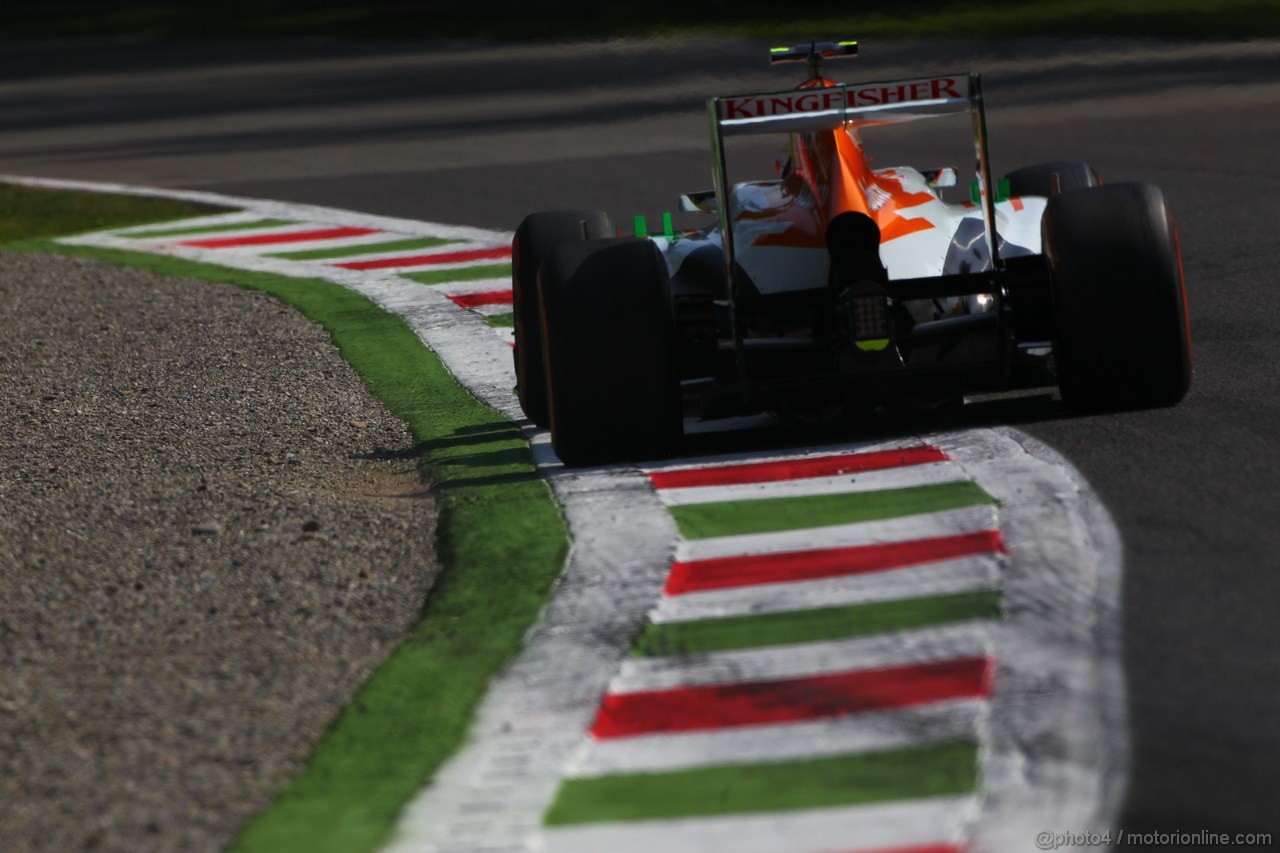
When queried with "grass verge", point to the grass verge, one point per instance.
{"points": [[501, 545], [30, 212]]}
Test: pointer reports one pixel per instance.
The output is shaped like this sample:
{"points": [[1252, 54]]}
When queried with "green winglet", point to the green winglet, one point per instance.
{"points": [[1003, 191], [668, 230], [642, 227]]}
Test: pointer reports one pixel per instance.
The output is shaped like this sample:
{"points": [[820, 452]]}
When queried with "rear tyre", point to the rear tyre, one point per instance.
{"points": [[1038, 179], [1121, 338], [610, 349], [537, 235]]}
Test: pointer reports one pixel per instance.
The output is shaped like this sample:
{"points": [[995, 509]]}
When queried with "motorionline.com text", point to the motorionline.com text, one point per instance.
{"points": [[1120, 838]]}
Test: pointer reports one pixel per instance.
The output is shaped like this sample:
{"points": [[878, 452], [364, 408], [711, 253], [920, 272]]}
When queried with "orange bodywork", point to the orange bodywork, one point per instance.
{"points": [[829, 175]]}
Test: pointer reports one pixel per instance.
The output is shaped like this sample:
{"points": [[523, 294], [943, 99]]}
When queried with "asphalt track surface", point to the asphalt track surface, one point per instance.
{"points": [[480, 135]]}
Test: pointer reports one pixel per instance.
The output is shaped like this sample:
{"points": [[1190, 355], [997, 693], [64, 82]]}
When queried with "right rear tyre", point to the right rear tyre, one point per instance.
{"points": [[609, 332], [1121, 338], [537, 235]]}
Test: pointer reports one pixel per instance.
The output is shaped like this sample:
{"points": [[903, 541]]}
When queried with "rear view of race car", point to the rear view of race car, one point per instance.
{"points": [[836, 284]]}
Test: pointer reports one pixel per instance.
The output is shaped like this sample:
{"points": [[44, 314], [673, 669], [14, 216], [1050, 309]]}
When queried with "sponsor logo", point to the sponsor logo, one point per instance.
{"points": [[758, 106], [879, 94], [906, 92]]}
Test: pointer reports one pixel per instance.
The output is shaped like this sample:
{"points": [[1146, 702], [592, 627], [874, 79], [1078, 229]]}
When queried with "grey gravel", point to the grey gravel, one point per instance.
{"points": [[210, 534]]}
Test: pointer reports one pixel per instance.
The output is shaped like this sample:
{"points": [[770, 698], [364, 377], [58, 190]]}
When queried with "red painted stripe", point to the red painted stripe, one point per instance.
{"points": [[795, 469], [487, 297], [790, 566], [428, 260], [790, 700], [272, 239]]}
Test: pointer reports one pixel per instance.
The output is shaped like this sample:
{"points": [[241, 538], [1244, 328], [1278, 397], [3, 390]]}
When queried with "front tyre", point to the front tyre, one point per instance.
{"points": [[537, 235], [609, 332], [1121, 336]]}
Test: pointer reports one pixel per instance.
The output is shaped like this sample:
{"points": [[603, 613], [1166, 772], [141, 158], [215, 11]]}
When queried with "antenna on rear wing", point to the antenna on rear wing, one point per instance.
{"points": [[813, 53]]}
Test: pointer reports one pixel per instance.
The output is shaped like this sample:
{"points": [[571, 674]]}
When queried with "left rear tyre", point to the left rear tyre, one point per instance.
{"points": [[609, 338], [537, 235]]}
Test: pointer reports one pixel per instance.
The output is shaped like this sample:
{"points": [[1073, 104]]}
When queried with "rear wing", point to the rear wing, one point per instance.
{"points": [[831, 107]]}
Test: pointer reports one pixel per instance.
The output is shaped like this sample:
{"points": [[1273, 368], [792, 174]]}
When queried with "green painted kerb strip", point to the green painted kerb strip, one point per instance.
{"points": [[460, 274], [362, 249], [811, 626], [733, 518], [208, 229], [501, 321], [501, 544], [933, 770]]}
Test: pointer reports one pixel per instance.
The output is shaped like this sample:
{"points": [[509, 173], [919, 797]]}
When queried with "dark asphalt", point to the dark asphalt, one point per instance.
{"points": [[501, 132]]}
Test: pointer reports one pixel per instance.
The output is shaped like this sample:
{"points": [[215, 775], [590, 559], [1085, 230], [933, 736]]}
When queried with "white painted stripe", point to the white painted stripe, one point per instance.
{"points": [[442, 249], [353, 243], [424, 263], [874, 730], [869, 481], [243, 233], [946, 578], [491, 310], [936, 820], [949, 523], [412, 268], [479, 285], [801, 660]]}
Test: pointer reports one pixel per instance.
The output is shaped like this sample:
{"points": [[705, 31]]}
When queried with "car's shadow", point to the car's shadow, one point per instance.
{"points": [[788, 434]]}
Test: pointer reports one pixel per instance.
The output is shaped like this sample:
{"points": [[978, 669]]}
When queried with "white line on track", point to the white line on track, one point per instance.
{"points": [[865, 732]]}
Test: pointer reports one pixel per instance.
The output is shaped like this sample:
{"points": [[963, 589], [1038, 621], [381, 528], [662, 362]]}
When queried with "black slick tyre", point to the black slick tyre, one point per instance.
{"points": [[1038, 179], [537, 235], [1121, 337], [610, 348]]}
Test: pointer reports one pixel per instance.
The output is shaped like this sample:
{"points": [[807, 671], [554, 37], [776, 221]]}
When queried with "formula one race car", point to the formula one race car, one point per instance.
{"points": [[835, 284]]}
